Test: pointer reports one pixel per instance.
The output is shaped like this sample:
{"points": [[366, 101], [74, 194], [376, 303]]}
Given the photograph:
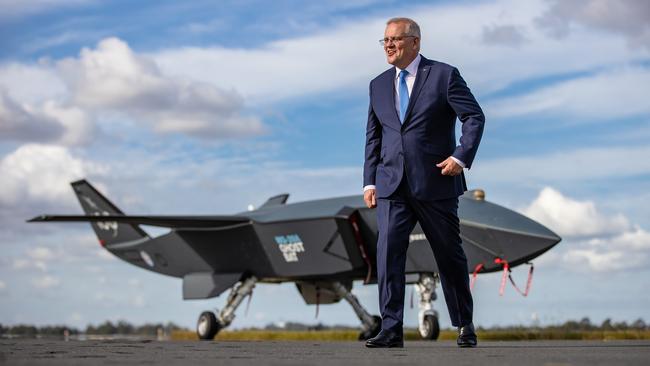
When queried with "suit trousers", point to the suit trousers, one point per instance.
{"points": [[396, 218]]}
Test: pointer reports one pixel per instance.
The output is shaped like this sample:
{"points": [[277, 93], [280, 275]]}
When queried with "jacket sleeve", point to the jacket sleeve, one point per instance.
{"points": [[373, 145], [466, 107]]}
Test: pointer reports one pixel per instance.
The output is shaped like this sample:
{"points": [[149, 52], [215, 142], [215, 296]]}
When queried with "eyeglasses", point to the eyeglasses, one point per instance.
{"points": [[385, 41]]}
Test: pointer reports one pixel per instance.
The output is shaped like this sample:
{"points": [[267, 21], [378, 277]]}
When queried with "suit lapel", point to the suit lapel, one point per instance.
{"points": [[420, 80], [389, 98]]}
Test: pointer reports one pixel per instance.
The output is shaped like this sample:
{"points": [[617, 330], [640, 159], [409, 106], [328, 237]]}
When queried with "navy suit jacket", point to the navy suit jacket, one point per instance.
{"points": [[427, 136]]}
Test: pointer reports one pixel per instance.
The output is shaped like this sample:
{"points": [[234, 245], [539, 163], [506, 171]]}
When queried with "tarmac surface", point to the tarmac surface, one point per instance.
{"points": [[144, 352]]}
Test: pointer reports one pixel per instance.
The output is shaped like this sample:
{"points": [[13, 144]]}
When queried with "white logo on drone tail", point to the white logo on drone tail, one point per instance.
{"points": [[107, 225]]}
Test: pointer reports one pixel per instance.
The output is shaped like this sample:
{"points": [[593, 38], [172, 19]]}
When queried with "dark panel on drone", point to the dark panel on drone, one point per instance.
{"points": [[319, 292], [309, 247], [204, 285], [230, 251], [168, 254], [419, 257], [482, 239]]}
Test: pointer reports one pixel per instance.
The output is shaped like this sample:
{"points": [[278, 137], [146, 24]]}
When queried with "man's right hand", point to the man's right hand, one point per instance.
{"points": [[369, 197]]}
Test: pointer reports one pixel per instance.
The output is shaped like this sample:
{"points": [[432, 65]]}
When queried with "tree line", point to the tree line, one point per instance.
{"points": [[584, 324], [125, 328], [107, 328]]}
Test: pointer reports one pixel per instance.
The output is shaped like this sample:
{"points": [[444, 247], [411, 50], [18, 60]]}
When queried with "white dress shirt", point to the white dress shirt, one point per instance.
{"points": [[412, 70]]}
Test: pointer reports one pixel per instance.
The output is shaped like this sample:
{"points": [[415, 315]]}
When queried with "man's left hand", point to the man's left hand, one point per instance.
{"points": [[450, 167]]}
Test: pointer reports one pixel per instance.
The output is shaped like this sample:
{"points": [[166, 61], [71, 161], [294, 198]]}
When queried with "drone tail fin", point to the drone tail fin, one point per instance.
{"points": [[108, 232]]}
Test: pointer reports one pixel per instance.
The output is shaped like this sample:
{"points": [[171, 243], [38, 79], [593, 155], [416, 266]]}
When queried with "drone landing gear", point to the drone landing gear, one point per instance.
{"points": [[370, 324], [429, 326], [210, 324]]}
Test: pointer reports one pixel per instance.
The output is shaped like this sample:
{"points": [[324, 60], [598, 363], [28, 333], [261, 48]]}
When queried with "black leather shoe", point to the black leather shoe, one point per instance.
{"points": [[386, 340], [466, 336]]}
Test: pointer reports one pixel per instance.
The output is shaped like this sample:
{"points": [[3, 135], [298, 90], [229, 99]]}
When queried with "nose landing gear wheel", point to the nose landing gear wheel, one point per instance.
{"points": [[207, 326], [430, 327]]}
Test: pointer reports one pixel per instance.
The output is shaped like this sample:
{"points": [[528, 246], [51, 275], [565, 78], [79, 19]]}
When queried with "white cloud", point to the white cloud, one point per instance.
{"points": [[636, 239], [47, 123], [78, 126], [112, 77], [20, 80], [36, 118], [613, 94], [73, 94], [504, 35], [592, 241], [46, 281], [41, 173], [570, 217], [33, 107], [630, 18], [18, 122], [627, 251], [2, 285]]}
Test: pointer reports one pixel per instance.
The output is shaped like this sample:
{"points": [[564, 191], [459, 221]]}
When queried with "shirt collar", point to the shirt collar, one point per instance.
{"points": [[412, 68]]}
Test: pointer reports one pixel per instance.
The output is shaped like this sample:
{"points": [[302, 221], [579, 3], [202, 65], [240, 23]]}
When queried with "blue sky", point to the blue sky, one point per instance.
{"points": [[197, 108]]}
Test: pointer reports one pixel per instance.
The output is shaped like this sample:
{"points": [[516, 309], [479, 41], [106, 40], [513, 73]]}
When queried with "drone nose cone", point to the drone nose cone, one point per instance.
{"points": [[525, 246], [532, 228], [498, 232], [553, 237]]}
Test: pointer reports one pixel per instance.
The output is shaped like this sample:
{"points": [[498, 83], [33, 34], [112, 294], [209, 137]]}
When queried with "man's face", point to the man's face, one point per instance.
{"points": [[400, 53]]}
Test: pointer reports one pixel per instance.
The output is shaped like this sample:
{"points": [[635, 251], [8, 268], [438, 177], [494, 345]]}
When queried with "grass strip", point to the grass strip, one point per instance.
{"points": [[445, 335]]}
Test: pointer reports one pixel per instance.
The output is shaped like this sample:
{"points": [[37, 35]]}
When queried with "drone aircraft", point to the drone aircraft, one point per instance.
{"points": [[321, 245]]}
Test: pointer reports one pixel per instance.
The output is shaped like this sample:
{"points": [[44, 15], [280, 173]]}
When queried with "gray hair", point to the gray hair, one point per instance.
{"points": [[412, 28]]}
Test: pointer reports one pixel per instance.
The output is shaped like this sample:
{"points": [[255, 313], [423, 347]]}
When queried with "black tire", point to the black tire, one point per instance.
{"points": [[207, 326], [430, 329], [373, 331]]}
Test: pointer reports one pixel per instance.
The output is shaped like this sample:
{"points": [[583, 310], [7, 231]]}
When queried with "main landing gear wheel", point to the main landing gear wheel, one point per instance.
{"points": [[207, 327], [210, 324], [428, 324], [372, 331], [430, 327]]}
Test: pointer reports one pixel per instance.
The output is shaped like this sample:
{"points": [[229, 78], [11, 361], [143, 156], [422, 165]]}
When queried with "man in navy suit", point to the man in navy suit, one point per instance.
{"points": [[413, 172]]}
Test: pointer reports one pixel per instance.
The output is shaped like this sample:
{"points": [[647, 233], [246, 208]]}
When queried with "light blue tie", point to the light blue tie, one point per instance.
{"points": [[403, 95]]}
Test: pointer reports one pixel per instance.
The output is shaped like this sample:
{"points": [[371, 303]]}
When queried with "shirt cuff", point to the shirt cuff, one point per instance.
{"points": [[369, 186], [459, 162]]}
